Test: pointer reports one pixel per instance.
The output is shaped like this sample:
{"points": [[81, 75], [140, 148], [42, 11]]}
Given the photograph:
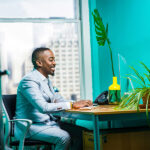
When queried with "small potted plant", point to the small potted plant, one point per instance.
{"points": [[132, 99]]}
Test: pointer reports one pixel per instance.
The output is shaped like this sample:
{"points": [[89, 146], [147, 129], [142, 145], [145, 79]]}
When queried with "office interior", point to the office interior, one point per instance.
{"points": [[83, 69]]}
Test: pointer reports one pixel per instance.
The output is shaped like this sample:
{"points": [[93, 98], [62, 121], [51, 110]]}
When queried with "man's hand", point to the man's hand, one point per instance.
{"points": [[82, 103]]}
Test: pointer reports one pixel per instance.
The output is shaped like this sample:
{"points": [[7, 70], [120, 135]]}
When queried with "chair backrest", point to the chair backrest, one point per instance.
{"points": [[9, 102], [9, 107]]}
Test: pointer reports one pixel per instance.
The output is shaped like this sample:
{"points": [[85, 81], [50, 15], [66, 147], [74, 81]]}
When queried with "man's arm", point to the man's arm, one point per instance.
{"points": [[31, 91], [76, 104], [59, 98]]}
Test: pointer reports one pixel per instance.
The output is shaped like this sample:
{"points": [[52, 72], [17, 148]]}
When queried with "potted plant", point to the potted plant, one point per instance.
{"points": [[132, 99]]}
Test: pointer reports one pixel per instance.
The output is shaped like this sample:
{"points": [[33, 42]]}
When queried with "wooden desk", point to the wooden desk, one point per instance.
{"points": [[102, 113]]}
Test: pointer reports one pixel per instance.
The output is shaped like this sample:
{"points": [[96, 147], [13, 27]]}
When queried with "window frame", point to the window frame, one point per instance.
{"points": [[86, 62]]}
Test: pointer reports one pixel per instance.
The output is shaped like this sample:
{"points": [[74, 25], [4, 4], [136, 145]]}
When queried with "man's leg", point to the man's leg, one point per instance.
{"points": [[75, 133], [54, 134]]}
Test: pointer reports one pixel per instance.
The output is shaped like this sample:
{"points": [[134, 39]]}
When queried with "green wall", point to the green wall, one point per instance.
{"points": [[129, 33]]}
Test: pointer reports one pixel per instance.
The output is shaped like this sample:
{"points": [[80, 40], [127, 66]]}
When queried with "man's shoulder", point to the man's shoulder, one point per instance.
{"points": [[29, 80], [29, 77]]}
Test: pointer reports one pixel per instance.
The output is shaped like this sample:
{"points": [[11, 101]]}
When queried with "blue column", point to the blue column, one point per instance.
{"points": [[94, 52]]}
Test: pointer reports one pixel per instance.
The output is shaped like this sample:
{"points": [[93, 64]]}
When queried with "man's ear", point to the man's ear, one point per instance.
{"points": [[39, 63]]}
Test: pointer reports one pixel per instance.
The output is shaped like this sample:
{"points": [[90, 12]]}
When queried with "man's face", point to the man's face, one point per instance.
{"points": [[47, 63]]}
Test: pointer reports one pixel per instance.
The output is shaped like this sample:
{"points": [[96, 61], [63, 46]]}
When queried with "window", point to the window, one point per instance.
{"points": [[38, 9], [30, 26]]}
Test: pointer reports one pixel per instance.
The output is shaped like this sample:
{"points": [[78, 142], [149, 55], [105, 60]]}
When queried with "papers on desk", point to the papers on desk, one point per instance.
{"points": [[87, 108]]}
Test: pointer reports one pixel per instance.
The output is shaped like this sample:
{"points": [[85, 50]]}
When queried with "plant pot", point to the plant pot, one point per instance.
{"points": [[144, 98]]}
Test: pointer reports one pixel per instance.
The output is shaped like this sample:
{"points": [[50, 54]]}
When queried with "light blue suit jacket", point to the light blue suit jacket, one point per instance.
{"points": [[36, 101]]}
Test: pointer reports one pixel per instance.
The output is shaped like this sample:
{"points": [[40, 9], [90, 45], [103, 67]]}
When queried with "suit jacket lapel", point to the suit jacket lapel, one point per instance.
{"points": [[45, 87], [50, 86]]}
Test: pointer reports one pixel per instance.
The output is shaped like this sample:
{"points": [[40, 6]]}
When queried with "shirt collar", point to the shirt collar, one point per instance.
{"points": [[43, 78]]}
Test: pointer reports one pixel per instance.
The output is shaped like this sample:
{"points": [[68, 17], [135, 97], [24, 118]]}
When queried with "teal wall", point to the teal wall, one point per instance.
{"points": [[94, 53], [129, 33]]}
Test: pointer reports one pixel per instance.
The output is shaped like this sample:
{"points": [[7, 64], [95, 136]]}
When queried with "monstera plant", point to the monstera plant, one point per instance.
{"points": [[102, 34]]}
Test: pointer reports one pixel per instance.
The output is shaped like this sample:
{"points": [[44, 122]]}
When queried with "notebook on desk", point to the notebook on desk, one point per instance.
{"points": [[89, 107]]}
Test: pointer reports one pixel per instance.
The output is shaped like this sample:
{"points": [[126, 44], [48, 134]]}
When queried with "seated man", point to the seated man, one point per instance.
{"points": [[36, 100]]}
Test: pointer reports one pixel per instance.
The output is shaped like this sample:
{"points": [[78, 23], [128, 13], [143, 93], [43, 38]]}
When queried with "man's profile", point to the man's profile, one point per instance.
{"points": [[36, 100]]}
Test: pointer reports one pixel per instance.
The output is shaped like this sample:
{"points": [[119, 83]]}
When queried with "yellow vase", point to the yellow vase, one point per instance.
{"points": [[114, 92]]}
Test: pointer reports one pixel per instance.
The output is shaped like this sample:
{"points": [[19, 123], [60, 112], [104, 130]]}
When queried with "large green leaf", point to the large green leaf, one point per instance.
{"points": [[101, 32]]}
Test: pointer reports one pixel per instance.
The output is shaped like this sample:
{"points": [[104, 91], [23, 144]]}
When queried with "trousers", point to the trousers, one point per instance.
{"points": [[65, 136]]}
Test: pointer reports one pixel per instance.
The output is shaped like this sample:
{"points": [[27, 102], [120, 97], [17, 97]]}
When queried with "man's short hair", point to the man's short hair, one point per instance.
{"points": [[36, 53]]}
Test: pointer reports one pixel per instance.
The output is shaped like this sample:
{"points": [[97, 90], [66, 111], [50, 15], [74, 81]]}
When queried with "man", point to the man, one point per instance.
{"points": [[36, 100]]}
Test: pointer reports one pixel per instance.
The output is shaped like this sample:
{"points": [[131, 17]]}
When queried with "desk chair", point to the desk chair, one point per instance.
{"points": [[9, 107]]}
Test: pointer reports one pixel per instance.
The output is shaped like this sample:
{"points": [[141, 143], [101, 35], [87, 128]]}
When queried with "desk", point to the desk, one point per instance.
{"points": [[102, 113]]}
